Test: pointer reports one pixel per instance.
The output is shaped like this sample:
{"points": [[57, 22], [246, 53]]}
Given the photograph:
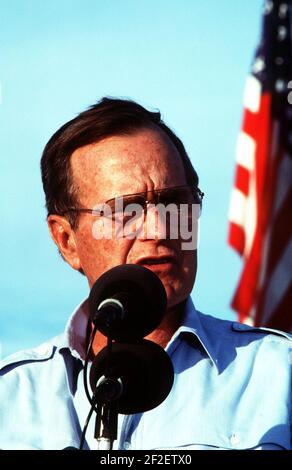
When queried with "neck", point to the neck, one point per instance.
{"points": [[170, 323], [161, 336]]}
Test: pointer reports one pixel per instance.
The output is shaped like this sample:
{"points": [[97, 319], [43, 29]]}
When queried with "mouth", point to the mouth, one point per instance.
{"points": [[159, 261]]}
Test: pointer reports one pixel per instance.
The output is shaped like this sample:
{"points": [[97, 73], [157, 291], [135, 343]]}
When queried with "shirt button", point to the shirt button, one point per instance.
{"points": [[127, 445], [234, 440]]}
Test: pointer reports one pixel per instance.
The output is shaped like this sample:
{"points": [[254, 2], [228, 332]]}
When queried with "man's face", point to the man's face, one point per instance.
{"points": [[143, 161]]}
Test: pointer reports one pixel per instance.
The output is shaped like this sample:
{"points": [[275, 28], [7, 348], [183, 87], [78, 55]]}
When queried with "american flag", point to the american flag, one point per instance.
{"points": [[260, 214]]}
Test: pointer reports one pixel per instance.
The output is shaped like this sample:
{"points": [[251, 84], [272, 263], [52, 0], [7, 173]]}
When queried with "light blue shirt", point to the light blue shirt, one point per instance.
{"points": [[232, 390]]}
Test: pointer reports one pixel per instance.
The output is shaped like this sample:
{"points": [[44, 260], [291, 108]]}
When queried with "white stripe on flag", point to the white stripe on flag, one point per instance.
{"points": [[237, 207], [245, 151], [252, 94], [242, 212]]}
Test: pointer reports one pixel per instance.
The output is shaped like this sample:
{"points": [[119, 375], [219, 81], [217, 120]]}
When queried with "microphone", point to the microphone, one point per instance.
{"points": [[139, 377], [127, 302]]}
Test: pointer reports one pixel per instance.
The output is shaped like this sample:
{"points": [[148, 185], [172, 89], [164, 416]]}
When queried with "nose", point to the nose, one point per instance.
{"points": [[154, 223]]}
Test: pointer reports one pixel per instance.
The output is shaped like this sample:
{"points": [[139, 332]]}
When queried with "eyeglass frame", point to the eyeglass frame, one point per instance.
{"points": [[197, 193]]}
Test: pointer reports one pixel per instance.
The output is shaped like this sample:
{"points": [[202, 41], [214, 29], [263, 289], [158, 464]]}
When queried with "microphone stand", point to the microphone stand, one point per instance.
{"points": [[108, 390], [106, 425]]}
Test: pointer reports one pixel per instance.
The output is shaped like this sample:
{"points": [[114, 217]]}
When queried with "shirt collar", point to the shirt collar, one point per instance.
{"points": [[76, 329], [192, 324]]}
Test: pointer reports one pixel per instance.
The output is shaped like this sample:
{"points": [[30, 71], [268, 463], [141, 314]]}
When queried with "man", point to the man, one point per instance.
{"points": [[232, 387]]}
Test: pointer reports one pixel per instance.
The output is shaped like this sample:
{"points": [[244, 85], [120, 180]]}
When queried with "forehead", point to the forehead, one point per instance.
{"points": [[125, 164]]}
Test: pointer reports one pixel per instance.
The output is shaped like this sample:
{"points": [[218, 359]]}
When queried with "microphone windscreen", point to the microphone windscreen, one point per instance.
{"points": [[145, 370], [142, 295]]}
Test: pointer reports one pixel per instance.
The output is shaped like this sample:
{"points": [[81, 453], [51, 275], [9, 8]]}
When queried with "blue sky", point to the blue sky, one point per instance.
{"points": [[188, 58]]}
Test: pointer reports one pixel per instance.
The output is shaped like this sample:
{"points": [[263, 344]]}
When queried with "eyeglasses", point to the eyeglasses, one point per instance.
{"points": [[176, 196]]}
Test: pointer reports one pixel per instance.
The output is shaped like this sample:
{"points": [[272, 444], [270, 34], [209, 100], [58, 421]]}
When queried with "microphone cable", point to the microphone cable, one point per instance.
{"points": [[94, 403], [85, 383], [87, 357], [82, 439]]}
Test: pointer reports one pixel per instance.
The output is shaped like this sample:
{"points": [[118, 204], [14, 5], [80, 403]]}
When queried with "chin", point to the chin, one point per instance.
{"points": [[175, 296]]}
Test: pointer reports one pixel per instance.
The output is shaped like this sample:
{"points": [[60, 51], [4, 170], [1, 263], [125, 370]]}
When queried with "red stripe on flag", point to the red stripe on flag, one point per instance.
{"points": [[242, 179], [236, 237]]}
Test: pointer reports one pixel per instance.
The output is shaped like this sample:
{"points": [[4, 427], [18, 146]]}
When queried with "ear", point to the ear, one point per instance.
{"points": [[64, 237]]}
